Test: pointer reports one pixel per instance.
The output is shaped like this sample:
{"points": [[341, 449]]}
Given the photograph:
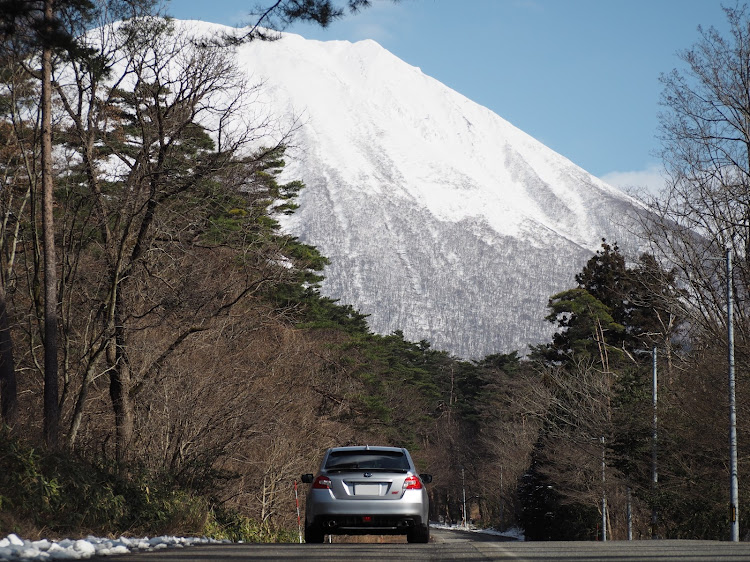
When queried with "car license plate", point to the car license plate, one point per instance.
{"points": [[367, 490]]}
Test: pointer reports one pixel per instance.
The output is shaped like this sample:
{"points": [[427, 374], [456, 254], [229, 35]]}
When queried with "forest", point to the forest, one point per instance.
{"points": [[169, 366]]}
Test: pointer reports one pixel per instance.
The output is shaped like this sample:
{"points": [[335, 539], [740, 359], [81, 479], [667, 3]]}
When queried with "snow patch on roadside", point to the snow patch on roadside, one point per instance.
{"points": [[14, 548], [513, 532]]}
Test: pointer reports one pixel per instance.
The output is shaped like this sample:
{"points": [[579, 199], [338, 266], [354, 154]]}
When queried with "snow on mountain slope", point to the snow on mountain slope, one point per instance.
{"points": [[440, 218]]}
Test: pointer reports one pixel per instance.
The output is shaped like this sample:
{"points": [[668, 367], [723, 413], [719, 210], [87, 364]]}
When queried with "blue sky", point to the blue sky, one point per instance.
{"points": [[581, 76]]}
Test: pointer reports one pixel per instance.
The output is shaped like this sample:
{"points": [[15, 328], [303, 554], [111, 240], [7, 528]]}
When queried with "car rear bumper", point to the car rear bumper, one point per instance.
{"points": [[366, 516]]}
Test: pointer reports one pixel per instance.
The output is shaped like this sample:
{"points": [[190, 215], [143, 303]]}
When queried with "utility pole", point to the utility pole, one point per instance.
{"points": [[630, 515], [654, 441], [502, 501], [604, 493], [463, 487], [733, 487]]}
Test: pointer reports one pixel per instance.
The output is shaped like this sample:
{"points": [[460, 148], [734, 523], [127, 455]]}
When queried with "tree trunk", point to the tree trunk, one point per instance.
{"points": [[119, 383], [119, 387], [77, 417], [51, 406]]}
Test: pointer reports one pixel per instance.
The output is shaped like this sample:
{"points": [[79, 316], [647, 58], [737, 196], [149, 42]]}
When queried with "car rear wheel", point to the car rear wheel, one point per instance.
{"points": [[419, 534], [313, 535]]}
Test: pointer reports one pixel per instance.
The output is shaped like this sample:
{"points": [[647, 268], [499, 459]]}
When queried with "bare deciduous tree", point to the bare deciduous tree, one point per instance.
{"points": [[19, 180], [705, 132], [142, 153]]}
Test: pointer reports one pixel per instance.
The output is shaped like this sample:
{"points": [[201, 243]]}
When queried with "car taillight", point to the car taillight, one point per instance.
{"points": [[322, 482], [412, 483]]}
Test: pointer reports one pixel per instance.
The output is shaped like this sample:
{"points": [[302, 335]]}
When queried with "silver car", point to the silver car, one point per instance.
{"points": [[367, 490]]}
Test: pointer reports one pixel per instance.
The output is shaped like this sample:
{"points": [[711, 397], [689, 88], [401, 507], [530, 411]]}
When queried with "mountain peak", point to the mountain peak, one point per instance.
{"points": [[440, 218]]}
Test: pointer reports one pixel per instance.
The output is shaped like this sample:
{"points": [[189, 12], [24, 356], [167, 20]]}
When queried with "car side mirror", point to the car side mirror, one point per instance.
{"points": [[308, 478], [426, 478]]}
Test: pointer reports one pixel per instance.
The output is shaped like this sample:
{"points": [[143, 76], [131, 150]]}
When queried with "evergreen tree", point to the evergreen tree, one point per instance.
{"points": [[615, 309], [586, 328], [606, 278]]}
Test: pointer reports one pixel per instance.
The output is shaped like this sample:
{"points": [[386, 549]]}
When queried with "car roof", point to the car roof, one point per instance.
{"points": [[367, 448]]}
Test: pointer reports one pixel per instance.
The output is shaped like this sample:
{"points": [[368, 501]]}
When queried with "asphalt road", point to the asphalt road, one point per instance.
{"points": [[456, 545]]}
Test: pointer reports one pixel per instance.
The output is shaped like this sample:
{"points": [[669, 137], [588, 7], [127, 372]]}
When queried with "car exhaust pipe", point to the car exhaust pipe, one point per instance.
{"points": [[331, 523]]}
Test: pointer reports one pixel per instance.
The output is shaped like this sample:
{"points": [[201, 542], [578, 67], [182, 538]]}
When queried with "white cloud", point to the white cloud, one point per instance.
{"points": [[376, 31], [650, 180]]}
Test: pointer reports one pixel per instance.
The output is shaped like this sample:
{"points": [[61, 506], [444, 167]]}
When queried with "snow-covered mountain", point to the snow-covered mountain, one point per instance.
{"points": [[440, 218]]}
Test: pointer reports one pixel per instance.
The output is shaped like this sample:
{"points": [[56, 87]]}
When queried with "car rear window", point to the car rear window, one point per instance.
{"points": [[388, 460]]}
